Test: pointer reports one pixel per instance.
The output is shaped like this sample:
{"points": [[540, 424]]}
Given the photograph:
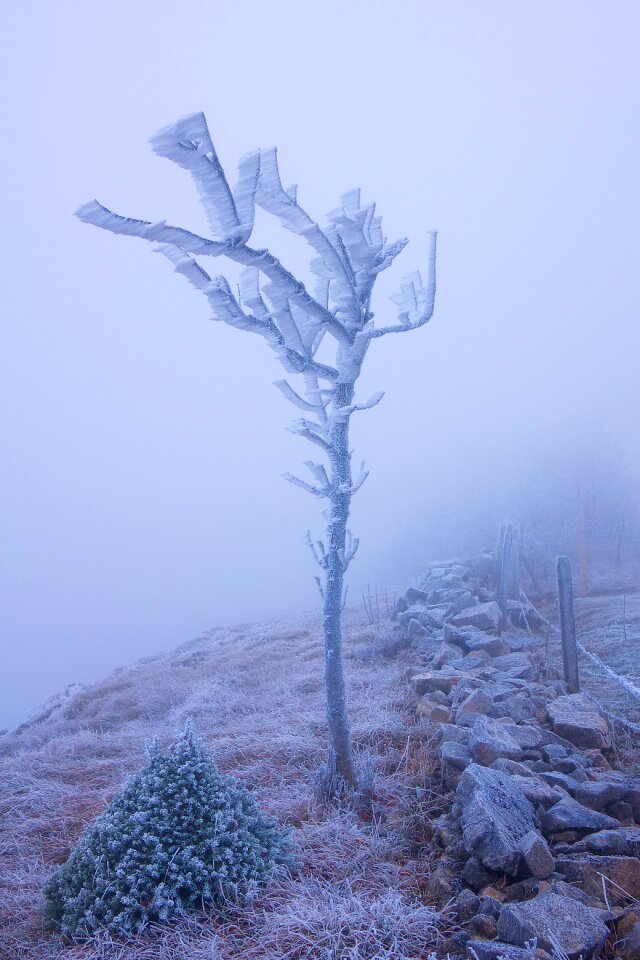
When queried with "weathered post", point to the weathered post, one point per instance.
{"points": [[508, 572], [568, 625]]}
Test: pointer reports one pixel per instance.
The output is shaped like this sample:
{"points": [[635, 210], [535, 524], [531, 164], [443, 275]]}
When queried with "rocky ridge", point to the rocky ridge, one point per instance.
{"points": [[539, 837]]}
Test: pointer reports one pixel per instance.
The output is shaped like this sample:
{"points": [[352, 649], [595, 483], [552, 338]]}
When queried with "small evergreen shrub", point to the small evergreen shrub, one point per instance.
{"points": [[178, 837]]}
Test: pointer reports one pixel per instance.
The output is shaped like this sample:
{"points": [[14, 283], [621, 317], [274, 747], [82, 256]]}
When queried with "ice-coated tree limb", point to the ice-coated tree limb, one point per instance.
{"points": [[308, 434], [297, 482], [318, 472], [317, 550], [416, 301], [271, 196], [287, 391], [100, 216], [361, 479], [187, 142], [351, 548], [218, 292], [373, 401]]}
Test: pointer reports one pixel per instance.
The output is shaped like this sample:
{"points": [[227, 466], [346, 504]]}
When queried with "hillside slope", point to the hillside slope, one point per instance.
{"points": [[255, 696]]}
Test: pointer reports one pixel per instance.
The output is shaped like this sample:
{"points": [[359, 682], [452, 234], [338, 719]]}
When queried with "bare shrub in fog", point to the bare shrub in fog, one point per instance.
{"points": [[348, 256]]}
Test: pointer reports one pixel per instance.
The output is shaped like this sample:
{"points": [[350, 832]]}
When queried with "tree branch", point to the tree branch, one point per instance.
{"points": [[415, 300]]}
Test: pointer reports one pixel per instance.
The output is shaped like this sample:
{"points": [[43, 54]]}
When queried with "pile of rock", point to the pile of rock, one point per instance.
{"points": [[539, 841]]}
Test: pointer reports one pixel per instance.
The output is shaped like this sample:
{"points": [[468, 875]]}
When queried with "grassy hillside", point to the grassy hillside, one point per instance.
{"points": [[255, 695]]}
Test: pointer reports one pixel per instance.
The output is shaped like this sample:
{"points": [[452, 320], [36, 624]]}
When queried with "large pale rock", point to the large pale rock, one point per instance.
{"points": [[494, 815], [579, 719], [568, 814], [578, 929], [490, 740], [484, 616]]}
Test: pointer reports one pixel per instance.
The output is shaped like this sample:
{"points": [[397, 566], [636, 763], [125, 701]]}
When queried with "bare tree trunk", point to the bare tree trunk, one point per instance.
{"points": [[341, 752]]}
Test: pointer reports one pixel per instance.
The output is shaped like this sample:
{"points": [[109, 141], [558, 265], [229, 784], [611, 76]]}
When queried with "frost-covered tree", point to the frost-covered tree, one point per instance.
{"points": [[178, 837], [349, 253]]}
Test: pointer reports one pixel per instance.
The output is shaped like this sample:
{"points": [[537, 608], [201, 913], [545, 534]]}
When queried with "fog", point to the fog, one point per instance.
{"points": [[144, 445]]}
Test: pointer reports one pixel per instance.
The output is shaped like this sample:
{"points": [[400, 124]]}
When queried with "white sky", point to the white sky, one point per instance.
{"points": [[143, 446]]}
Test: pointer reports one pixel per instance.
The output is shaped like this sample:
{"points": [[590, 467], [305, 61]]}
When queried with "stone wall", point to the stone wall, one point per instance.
{"points": [[540, 844]]}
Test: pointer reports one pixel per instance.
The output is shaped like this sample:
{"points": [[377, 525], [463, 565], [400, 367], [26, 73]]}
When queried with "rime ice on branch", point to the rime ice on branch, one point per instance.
{"points": [[348, 254]]}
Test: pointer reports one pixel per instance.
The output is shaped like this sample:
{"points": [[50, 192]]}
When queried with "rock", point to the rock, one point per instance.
{"points": [[517, 665], [568, 814], [537, 792], [555, 779], [494, 815], [415, 631], [512, 767], [465, 905], [446, 831], [518, 708], [587, 872], [490, 907], [431, 619], [484, 616], [444, 654], [598, 794], [526, 736], [536, 854], [567, 890], [579, 719], [457, 754], [414, 595], [553, 751], [472, 661], [476, 875], [449, 732], [484, 925], [622, 812], [553, 919], [490, 740], [476, 641], [433, 712], [435, 680], [440, 886], [493, 950], [476, 702], [629, 947], [622, 842], [633, 798]]}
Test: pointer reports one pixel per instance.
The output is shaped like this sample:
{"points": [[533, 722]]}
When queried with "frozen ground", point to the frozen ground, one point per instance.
{"points": [[255, 695]]}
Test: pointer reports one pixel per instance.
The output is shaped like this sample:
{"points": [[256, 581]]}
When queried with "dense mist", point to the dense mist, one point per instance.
{"points": [[144, 445]]}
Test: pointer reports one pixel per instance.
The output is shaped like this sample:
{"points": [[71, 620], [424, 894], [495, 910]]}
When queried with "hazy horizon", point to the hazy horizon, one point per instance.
{"points": [[144, 445]]}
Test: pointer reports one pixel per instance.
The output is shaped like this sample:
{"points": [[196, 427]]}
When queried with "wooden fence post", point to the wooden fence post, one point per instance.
{"points": [[508, 572], [568, 626]]}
